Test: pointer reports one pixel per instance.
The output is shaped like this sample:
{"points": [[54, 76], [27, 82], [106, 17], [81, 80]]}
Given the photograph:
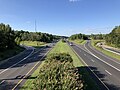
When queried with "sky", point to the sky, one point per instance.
{"points": [[61, 17]]}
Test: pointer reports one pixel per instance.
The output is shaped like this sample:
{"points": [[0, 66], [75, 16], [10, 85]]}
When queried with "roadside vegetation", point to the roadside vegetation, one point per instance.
{"points": [[35, 44], [11, 39], [60, 71], [78, 41], [112, 39], [10, 52], [113, 55], [8, 46], [78, 38]]}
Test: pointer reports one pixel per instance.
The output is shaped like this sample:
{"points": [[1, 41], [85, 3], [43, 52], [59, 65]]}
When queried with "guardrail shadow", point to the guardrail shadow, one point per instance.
{"points": [[91, 81]]}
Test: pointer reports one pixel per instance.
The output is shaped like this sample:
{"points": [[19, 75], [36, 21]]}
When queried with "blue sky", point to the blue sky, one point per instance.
{"points": [[61, 17]]}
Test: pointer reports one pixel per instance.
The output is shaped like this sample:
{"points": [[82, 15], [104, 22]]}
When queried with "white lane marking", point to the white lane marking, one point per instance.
{"points": [[90, 69], [24, 58], [92, 60], [2, 81], [108, 72], [30, 70], [103, 60], [111, 51], [104, 55], [17, 62]]}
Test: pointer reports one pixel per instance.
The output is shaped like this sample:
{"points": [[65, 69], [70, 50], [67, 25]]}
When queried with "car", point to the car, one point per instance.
{"points": [[71, 44]]}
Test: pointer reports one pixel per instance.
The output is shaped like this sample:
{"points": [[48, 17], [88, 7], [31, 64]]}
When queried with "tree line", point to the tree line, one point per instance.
{"points": [[97, 36], [78, 36], [113, 38], [9, 38]]}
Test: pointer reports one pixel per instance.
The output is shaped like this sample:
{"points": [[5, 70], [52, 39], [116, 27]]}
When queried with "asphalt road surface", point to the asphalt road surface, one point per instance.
{"points": [[16, 71], [104, 70]]}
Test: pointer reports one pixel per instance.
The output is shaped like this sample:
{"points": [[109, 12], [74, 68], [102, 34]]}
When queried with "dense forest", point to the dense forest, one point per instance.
{"points": [[113, 38], [78, 36], [10, 38]]}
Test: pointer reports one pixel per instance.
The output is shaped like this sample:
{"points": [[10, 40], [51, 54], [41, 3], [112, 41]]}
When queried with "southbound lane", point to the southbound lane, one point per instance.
{"points": [[14, 77], [107, 74]]}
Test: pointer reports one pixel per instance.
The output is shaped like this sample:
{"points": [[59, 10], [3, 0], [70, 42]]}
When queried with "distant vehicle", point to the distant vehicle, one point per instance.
{"points": [[71, 44]]}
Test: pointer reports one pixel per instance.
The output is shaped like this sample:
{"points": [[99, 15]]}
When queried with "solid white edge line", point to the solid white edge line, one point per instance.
{"points": [[90, 69], [102, 60], [17, 62], [108, 72], [111, 51], [2, 81], [104, 55]]}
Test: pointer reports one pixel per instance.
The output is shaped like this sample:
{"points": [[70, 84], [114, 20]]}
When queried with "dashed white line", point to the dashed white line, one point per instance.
{"points": [[90, 69], [2, 81], [17, 63], [92, 60], [103, 60], [104, 55], [108, 72]]}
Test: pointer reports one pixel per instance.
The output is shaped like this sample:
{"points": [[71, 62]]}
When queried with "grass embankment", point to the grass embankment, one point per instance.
{"points": [[78, 41], [10, 52], [64, 48], [35, 44], [113, 55]]}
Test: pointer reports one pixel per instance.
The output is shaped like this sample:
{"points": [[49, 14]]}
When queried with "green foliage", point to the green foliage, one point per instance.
{"points": [[113, 38], [10, 38], [97, 36], [61, 57], [78, 36], [63, 40], [34, 36], [78, 41], [7, 37], [58, 74]]}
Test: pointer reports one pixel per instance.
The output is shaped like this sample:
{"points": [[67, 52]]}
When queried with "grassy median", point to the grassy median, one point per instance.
{"points": [[113, 55], [78, 41], [62, 47]]}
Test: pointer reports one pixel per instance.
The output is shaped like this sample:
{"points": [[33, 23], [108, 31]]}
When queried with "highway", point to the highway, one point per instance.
{"points": [[17, 70], [103, 69]]}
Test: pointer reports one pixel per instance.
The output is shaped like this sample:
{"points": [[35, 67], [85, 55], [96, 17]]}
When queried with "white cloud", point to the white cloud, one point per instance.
{"points": [[74, 0]]}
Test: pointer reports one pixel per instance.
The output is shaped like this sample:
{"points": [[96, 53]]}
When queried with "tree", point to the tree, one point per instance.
{"points": [[78, 36], [113, 38]]}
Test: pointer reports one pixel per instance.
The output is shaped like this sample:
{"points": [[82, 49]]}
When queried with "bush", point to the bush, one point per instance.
{"points": [[58, 74], [59, 56], [63, 40]]}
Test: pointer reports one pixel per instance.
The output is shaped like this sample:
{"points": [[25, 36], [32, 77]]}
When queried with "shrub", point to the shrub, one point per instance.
{"points": [[58, 74]]}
